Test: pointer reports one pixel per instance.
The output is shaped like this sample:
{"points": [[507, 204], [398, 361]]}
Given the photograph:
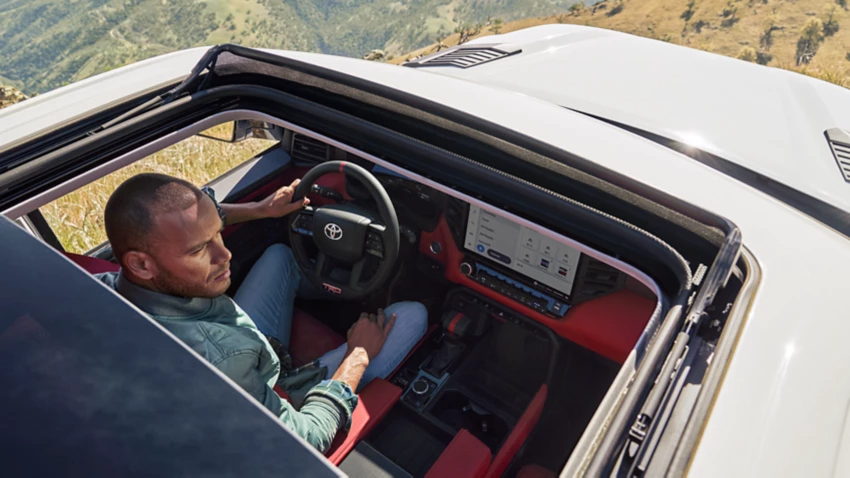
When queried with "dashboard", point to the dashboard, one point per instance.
{"points": [[513, 261]]}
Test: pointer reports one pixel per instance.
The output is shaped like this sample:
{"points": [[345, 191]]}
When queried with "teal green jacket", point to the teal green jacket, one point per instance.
{"points": [[218, 330]]}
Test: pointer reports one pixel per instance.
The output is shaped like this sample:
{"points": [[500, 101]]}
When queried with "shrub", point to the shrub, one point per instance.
{"points": [[616, 8], [842, 3], [763, 57], [576, 8], [700, 24], [770, 26], [747, 53], [729, 14], [689, 12], [830, 24]]}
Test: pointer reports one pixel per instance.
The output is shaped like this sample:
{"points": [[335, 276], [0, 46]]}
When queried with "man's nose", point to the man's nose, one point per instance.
{"points": [[222, 254]]}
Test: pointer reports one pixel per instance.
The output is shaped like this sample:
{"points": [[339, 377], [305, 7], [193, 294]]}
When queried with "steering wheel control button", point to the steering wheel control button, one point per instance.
{"points": [[374, 244], [303, 225]]}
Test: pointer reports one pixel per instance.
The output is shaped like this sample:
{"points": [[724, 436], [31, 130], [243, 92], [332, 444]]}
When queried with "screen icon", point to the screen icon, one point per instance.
{"points": [[480, 248]]}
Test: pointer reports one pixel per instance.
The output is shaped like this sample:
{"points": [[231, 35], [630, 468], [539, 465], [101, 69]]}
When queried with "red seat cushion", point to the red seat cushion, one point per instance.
{"points": [[310, 339]]}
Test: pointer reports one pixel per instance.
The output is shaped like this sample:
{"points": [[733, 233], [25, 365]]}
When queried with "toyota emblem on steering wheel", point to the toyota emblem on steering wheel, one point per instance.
{"points": [[333, 231]]}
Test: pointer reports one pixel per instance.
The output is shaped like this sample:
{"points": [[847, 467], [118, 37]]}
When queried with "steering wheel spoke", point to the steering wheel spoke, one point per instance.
{"points": [[356, 274], [324, 265], [303, 223]]}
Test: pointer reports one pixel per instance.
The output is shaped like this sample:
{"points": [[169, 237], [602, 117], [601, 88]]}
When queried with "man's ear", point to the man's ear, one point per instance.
{"points": [[139, 265]]}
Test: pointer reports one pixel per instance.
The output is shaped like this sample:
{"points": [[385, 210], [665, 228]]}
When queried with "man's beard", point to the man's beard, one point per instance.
{"points": [[169, 284]]}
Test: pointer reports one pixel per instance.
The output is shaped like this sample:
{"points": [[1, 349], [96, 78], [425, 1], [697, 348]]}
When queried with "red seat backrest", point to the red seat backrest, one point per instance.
{"points": [[92, 264]]}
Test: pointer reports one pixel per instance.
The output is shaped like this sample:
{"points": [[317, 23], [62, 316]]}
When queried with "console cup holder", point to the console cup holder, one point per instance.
{"points": [[457, 411]]}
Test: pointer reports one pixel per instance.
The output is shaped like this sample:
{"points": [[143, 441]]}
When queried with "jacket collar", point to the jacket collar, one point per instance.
{"points": [[162, 305]]}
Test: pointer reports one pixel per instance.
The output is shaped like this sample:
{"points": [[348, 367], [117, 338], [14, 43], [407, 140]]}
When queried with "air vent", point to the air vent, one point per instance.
{"points": [[309, 150], [839, 141], [598, 279], [465, 56]]}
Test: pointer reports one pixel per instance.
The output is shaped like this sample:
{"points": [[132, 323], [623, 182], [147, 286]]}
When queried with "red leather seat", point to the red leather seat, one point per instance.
{"points": [[310, 340]]}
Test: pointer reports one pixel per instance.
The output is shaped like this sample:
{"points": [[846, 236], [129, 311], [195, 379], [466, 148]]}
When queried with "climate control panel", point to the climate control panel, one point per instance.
{"points": [[530, 297]]}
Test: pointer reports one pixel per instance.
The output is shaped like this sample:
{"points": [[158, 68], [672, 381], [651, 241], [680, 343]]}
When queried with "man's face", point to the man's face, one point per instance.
{"points": [[188, 252]]}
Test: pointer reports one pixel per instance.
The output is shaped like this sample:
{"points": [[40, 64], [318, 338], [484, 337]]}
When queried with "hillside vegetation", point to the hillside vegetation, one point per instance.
{"points": [[810, 36], [48, 43]]}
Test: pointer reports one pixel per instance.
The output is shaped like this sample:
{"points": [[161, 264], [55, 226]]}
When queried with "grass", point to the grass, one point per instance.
{"points": [[77, 218]]}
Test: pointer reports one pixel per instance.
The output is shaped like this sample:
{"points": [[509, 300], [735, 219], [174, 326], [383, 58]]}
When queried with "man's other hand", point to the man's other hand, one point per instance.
{"points": [[370, 332], [279, 203]]}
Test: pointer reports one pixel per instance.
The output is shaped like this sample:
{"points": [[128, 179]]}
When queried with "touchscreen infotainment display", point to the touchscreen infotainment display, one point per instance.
{"points": [[519, 248]]}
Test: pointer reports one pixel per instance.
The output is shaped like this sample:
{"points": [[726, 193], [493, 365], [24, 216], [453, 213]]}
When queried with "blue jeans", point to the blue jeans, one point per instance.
{"points": [[268, 293]]}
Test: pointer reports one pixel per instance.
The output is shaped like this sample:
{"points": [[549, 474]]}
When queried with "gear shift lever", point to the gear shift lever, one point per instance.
{"points": [[443, 358]]}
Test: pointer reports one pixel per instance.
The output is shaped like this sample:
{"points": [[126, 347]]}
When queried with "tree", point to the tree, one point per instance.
{"points": [[497, 26], [811, 35], [747, 53]]}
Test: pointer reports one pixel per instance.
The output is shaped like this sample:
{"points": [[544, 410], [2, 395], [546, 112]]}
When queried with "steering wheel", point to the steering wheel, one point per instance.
{"points": [[346, 235]]}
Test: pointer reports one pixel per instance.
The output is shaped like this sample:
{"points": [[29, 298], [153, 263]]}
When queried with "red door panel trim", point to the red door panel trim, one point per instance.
{"points": [[519, 434]]}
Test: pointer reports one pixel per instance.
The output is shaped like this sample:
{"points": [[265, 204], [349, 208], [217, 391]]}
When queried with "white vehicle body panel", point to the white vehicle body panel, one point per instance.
{"points": [[782, 406], [63, 104], [769, 120]]}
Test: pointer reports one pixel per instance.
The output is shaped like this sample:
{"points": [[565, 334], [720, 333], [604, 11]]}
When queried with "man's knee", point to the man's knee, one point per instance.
{"points": [[411, 317], [280, 255]]}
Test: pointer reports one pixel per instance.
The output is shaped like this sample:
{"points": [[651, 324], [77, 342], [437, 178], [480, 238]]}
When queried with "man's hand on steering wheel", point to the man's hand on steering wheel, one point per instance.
{"points": [[370, 332], [279, 203]]}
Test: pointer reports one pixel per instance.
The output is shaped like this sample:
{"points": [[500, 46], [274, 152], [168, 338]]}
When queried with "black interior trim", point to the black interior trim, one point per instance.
{"points": [[44, 230]]}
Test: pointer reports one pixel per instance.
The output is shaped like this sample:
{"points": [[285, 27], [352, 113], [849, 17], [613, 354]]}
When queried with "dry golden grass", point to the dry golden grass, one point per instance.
{"points": [[77, 218]]}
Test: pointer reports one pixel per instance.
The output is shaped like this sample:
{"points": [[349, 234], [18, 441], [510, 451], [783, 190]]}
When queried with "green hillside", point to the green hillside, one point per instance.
{"points": [[47, 43]]}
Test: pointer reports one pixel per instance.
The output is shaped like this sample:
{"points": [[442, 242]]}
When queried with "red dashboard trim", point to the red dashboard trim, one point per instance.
{"points": [[609, 325]]}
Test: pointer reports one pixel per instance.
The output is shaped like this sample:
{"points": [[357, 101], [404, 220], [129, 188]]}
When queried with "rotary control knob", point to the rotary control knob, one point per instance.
{"points": [[466, 269], [420, 387]]}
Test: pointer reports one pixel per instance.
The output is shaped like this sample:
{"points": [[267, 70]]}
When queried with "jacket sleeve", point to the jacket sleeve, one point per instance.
{"points": [[327, 407]]}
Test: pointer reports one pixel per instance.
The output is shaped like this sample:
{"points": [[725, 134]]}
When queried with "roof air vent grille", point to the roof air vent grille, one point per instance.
{"points": [[465, 56], [309, 150], [839, 141]]}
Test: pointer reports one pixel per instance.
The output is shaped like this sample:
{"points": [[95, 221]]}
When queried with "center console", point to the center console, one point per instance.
{"points": [[478, 372]]}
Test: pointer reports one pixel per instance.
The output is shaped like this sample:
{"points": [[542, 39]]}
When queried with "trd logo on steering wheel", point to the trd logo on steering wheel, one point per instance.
{"points": [[333, 231]]}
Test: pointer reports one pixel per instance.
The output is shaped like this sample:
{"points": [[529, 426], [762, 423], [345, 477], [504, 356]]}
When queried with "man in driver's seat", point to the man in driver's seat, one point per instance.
{"points": [[165, 233]]}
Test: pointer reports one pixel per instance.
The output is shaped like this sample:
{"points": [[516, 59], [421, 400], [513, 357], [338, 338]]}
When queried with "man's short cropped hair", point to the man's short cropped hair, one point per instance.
{"points": [[130, 211]]}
